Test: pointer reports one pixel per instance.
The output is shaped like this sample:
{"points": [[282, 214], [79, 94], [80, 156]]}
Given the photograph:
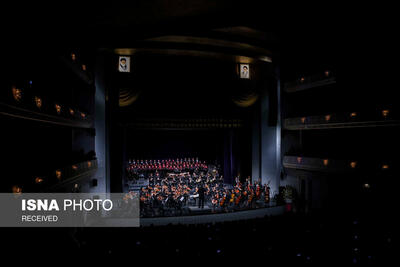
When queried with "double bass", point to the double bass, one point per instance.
{"points": [[222, 203], [266, 192], [258, 191]]}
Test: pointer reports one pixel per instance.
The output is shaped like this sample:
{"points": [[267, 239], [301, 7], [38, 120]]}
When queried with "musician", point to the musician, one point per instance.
{"points": [[237, 180], [201, 192], [248, 180]]}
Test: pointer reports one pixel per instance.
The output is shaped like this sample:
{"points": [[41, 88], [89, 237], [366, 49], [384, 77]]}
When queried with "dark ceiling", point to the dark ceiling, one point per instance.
{"points": [[301, 37]]}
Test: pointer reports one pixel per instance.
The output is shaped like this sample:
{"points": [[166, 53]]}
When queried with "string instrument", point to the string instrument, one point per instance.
{"points": [[266, 194], [143, 198], [214, 201], [258, 192], [222, 201], [238, 198], [232, 198], [251, 196]]}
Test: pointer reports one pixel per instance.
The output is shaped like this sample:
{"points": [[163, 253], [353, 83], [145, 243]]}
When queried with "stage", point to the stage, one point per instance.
{"points": [[200, 219]]}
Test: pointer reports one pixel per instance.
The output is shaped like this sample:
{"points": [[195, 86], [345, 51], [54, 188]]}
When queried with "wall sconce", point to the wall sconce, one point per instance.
{"points": [[83, 67], [327, 117], [16, 189], [73, 56], [353, 114], [17, 94], [303, 120], [385, 167], [38, 102], [58, 108], [83, 115], [38, 180], [302, 79], [353, 164], [74, 167], [326, 162], [299, 159], [366, 186], [89, 164], [327, 73], [71, 111], [58, 174], [385, 113]]}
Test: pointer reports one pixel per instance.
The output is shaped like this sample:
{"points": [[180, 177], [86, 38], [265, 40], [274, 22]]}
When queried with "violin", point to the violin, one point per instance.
{"points": [[214, 201]]}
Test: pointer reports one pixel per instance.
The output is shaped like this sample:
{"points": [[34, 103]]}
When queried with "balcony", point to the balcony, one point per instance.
{"points": [[384, 117], [64, 176], [335, 165], [309, 82], [78, 68], [17, 104]]}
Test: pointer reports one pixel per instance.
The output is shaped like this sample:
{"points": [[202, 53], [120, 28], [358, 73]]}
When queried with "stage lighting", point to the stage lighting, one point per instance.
{"points": [[327, 117], [38, 102], [58, 108], [16, 189], [385, 113], [17, 94], [58, 174], [38, 180]]}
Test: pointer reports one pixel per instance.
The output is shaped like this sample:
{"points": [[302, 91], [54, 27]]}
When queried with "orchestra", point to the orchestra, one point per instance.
{"points": [[176, 184]]}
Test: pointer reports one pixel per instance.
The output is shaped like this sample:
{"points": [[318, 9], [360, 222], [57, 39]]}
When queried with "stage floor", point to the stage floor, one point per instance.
{"points": [[213, 218]]}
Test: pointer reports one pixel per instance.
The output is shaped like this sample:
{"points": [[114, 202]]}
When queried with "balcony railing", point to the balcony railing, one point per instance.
{"points": [[309, 82], [60, 177], [334, 165], [383, 117], [20, 104]]}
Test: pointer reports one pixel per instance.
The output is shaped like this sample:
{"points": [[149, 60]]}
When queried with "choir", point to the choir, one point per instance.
{"points": [[175, 185]]}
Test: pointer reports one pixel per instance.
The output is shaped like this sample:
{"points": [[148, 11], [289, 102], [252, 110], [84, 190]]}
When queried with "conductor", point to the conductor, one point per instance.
{"points": [[201, 192]]}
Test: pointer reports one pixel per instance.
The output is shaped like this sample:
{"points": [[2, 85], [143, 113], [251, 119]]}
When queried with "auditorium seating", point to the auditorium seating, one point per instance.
{"points": [[313, 239]]}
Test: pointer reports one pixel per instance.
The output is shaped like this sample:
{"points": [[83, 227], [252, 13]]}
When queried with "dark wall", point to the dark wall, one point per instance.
{"points": [[32, 148], [164, 144]]}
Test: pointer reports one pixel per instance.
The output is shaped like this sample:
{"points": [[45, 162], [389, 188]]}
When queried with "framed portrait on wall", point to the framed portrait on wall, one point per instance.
{"points": [[244, 71], [124, 64]]}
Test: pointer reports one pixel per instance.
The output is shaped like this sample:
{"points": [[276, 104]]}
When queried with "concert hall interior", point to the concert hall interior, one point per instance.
{"points": [[238, 136]]}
